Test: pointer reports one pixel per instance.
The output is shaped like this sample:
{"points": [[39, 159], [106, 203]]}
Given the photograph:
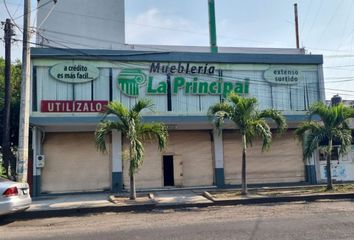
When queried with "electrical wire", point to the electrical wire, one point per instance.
{"points": [[12, 19], [38, 7], [313, 23], [46, 17], [82, 52]]}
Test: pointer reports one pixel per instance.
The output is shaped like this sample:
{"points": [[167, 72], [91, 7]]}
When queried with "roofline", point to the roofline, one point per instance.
{"points": [[168, 56], [93, 120]]}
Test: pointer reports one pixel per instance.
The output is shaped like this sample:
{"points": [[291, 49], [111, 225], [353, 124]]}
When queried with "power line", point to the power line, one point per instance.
{"points": [[38, 7], [260, 82], [158, 27], [13, 21], [330, 20], [46, 17], [313, 23], [97, 57]]}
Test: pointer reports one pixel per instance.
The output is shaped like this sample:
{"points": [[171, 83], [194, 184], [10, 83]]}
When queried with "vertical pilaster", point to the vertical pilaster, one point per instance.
{"points": [[219, 158], [37, 150], [117, 176], [310, 169]]}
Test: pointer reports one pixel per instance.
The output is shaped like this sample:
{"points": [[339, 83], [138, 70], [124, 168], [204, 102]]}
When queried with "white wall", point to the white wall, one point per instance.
{"points": [[81, 24]]}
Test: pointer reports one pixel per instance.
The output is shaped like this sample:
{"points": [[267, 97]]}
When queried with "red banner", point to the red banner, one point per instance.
{"points": [[72, 106]]}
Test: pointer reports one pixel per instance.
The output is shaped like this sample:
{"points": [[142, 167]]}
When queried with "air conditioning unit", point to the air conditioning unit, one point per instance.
{"points": [[40, 161]]}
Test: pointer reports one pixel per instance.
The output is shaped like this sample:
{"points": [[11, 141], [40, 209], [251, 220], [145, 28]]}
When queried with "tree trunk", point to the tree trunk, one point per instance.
{"points": [[132, 178], [132, 187], [244, 181], [328, 170]]}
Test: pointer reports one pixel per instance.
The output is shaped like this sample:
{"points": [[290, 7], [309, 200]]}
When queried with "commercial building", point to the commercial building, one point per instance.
{"points": [[70, 87]]}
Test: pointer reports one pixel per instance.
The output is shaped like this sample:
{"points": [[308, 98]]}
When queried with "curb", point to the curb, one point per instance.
{"points": [[262, 200], [151, 207]]}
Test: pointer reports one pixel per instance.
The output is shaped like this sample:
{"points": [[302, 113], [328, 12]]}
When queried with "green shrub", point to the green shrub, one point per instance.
{"points": [[2, 171]]}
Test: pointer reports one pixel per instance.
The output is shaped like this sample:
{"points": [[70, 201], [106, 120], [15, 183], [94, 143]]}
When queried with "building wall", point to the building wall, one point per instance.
{"points": [[342, 167], [283, 163], [193, 164], [285, 97], [73, 163], [88, 24], [290, 83]]}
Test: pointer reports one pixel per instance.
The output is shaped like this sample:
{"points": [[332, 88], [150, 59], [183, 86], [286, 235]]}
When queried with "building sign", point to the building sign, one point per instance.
{"points": [[283, 75], [72, 106], [130, 80], [182, 68], [74, 72]]}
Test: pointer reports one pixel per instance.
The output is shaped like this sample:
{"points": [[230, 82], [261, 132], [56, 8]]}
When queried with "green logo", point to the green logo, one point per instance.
{"points": [[129, 81]]}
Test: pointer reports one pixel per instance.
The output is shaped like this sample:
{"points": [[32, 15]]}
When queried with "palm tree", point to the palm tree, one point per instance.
{"points": [[334, 126], [250, 122], [135, 131]]}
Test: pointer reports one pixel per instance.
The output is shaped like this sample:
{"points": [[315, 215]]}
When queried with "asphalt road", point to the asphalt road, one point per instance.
{"points": [[320, 220]]}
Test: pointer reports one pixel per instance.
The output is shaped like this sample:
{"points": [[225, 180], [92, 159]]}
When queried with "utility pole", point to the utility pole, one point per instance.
{"points": [[296, 26], [23, 138], [6, 147], [212, 26]]}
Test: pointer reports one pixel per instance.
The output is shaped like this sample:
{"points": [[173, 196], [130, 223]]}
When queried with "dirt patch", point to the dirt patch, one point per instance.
{"points": [[125, 201], [280, 192]]}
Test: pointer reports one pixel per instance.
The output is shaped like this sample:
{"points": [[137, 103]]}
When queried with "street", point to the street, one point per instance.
{"points": [[320, 220]]}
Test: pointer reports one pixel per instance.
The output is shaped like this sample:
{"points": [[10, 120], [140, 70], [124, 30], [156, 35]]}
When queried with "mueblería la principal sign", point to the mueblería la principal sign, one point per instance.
{"points": [[131, 79]]}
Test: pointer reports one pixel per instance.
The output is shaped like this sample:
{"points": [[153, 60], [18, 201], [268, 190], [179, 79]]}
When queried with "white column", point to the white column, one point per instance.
{"points": [[219, 158], [37, 150], [116, 151], [218, 148], [117, 175]]}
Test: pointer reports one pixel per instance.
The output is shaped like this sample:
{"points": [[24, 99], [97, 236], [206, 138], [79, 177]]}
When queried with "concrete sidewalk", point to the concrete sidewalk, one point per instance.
{"points": [[74, 201], [86, 203], [97, 200]]}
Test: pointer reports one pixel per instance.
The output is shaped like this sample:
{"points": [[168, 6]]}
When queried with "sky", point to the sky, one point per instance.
{"points": [[326, 27]]}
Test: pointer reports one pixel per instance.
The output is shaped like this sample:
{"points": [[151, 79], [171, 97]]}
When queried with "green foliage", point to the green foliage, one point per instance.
{"points": [[133, 129], [2, 171], [15, 86], [334, 126], [249, 121]]}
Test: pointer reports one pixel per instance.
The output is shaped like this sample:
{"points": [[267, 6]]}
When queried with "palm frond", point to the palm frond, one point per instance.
{"points": [[311, 134], [262, 130], [344, 137], [103, 128], [218, 107], [148, 131], [218, 112], [320, 109], [311, 142], [142, 104], [348, 112], [244, 108], [277, 117], [117, 109], [306, 126]]}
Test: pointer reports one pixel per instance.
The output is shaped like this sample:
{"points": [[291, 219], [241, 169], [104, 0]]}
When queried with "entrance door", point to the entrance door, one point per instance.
{"points": [[168, 177]]}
